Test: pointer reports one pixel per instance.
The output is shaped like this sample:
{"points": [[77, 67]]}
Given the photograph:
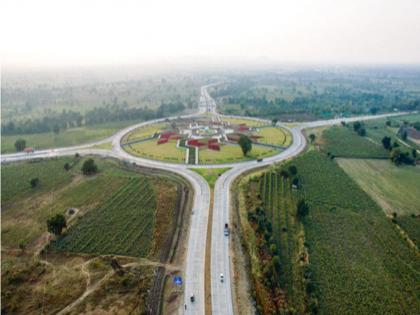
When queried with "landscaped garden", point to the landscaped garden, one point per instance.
{"points": [[215, 141]]}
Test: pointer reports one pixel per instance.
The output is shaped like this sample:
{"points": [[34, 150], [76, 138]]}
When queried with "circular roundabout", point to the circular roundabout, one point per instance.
{"points": [[205, 140]]}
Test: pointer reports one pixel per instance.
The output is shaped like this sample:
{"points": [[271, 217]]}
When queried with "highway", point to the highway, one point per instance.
{"points": [[221, 293]]}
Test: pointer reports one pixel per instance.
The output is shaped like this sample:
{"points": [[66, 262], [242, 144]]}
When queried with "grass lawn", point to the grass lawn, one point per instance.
{"points": [[104, 146], [167, 152], [69, 137], [231, 153], [394, 188], [250, 122], [275, 136], [210, 174], [144, 132]]}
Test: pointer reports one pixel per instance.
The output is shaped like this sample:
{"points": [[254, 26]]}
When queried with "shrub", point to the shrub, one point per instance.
{"points": [[89, 167]]}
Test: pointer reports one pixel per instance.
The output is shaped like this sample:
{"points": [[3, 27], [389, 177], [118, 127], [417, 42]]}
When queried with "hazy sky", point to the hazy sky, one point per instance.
{"points": [[53, 32]]}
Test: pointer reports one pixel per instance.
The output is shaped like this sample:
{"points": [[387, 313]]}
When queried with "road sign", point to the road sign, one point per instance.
{"points": [[177, 280]]}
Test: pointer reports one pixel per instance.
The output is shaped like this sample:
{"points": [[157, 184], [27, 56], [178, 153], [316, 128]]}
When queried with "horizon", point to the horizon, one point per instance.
{"points": [[114, 33]]}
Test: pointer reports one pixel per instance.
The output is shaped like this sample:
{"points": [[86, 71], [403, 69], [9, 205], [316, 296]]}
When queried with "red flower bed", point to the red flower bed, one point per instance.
{"points": [[167, 134], [214, 146], [162, 140], [195, 143]]}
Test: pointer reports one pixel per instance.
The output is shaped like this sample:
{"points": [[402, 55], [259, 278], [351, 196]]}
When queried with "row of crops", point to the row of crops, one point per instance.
{"points": [[122, 225], [360, 262]]}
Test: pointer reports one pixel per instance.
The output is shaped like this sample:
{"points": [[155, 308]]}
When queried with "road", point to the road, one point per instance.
{"points": [[221, 293]]}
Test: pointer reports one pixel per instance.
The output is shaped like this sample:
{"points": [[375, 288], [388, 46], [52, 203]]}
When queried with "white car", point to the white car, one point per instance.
{"points": [[222, 277]]}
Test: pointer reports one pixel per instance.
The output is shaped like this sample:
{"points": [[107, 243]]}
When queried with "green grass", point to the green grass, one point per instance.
{"points": [[250, 122], [15, 177], [121, 225], [232, 153], [24, 214], [167, 152], [65, 138], [210, 174], [411, 225], [275, 136], [394, 188], [344, 142], [144, 132], [361, 263]]}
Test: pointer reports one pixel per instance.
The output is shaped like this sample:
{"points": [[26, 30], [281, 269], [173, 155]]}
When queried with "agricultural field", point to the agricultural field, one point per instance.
{"points": [[275, 136], [344, 142], [167, 152], [230, 153], [394, 188], [68, 137], [122, 225], [57, 274], [357, 257]]}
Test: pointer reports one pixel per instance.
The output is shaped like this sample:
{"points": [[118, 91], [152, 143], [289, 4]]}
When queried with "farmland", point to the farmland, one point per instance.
{"points": [[68, 137], [275, 136], [343, 142], [122, 225], [117, 211], [395, 189], [357, 257]]}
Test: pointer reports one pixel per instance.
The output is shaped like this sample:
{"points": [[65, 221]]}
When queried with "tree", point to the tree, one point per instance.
{"points": [[245, 143], [386, 142], [404, 135], [302, 209], [414, 153], [388, 123], [67, 166], [34, 182], [20, 144], [89, 167], [274, 121], [361, 132], [312, 137], [284, 173], [56, 224], [293, 169], [357, 125]]}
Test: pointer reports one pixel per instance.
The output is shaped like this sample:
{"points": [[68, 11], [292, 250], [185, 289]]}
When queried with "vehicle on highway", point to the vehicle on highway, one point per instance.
{"points": [[226, 230], [260, 159], [222, 277], [192, 298]]}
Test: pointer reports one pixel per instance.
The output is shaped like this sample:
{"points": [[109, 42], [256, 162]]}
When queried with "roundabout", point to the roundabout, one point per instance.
{"points": [[205, 140]]}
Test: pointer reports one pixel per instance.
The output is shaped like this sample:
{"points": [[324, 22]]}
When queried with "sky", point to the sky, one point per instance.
{"points": [[86, 32]]}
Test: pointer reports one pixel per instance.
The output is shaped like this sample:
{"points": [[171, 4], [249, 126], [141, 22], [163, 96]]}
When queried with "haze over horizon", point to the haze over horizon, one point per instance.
{"points": [[52, 33]]}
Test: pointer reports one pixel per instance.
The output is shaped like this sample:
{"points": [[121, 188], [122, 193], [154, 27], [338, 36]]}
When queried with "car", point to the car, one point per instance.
{"points": [[222, 278], [226, 230], [192, 298]]}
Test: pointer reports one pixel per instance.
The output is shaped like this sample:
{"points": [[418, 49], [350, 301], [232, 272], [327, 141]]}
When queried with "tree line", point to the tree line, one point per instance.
{"points": [[57, 121]]}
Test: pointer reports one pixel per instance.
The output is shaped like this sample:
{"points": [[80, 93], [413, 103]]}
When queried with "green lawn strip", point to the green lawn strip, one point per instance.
{"points": [[210, 174]]}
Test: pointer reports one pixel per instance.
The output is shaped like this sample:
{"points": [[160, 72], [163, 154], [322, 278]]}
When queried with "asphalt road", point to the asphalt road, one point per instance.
{"points": [[221, 293]]}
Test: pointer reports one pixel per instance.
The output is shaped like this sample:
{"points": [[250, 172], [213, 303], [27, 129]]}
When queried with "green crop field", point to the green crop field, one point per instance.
{"points": [[231, 153], [394, 188], [343, 142], [122, 225], [360, 261], [275, 136], [167, 152], [68, 137]]}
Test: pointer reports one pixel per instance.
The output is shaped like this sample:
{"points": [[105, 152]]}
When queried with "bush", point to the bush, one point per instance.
{"points": [[20, 144], [56, 224], [34, 182], [302, 209], [89, 167]]}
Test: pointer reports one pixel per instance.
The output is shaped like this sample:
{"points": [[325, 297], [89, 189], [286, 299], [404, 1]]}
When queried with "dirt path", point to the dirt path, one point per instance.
{"points": [[90, 288]]}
